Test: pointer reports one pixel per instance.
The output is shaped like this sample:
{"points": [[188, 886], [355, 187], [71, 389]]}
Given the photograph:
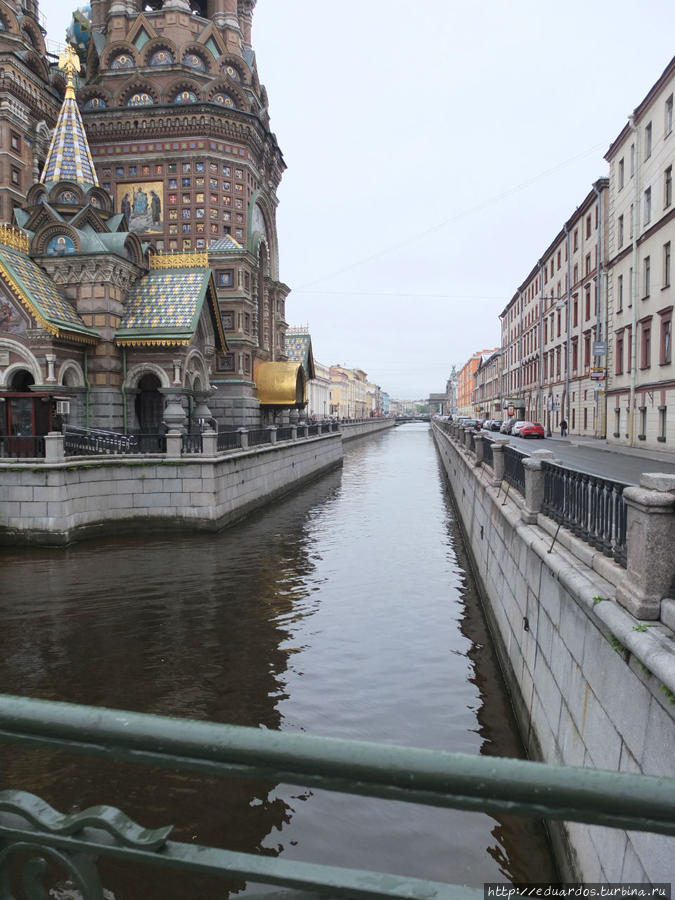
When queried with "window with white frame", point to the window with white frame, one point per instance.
{"points": [[668, 187], [648, 140], [662, 423], [619, 293], [666, 264], [620, 175], [620, 231], [669, 116], [647, 206], [646, 272]]}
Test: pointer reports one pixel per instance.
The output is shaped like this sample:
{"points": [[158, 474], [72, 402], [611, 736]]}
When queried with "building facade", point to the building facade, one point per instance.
{"points": [[182, 159], [487, 387], [641, 394], [466, 384]]}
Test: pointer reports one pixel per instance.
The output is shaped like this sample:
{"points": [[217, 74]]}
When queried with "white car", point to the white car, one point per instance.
{"points": [[515, 430]]}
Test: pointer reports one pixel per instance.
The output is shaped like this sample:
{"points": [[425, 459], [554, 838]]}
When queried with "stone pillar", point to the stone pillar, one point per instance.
{"points": [[174, 414], [498, 461], [209, 442], [243, 438], [174, 443], [305, 430], [273, 433], [294, 432], [650, 538], [50, 359], [466, 437], [534, 484], [54, 447], [319, 428], [480, 446]]}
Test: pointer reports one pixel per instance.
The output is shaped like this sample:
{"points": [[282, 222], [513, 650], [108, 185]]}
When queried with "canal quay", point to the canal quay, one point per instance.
{"points": [[345, 610]]}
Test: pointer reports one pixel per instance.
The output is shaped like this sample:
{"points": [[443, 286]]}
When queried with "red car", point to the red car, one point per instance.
{"points": [[532, 429]]}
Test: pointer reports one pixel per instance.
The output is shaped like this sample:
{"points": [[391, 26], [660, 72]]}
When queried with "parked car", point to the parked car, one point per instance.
{"points": [[533, 430], [507, 425], [515, 428], [471, 423], [496, 424]]}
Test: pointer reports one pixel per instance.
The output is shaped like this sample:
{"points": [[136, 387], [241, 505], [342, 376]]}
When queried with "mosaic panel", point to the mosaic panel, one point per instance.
{"points": [[143, 204]]}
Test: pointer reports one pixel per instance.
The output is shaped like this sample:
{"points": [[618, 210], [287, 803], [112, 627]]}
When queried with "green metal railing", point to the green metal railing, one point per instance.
{"points": [[31, 830]]}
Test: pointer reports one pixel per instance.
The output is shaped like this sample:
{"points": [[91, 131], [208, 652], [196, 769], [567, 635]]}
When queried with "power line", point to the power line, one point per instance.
{"points": [[396, 294], [460, 215]]}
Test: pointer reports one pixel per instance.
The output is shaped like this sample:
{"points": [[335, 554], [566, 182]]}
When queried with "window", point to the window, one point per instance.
{"points": [[620, 176], [643, 422], [576, 239], [668, 187], [588, 263], [16, 177], [646, 345], [587, 351], [632, 210], [666, 265], [588, 226], [15, 141], [646, 271], [669, 116], [575, 355], [587, 302], [648, 140], [666, 339], [629, 350], [617, 422], [619, 293], [225, 277], [647, 205], [575, 310], [575, 273], [632, 160], [662, 424], [618, 367], [620, 231]]}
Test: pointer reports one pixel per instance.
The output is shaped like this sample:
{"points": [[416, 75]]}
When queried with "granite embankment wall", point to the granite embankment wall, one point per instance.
{"points": [[352, 430], [590, 684], [59, 502]]}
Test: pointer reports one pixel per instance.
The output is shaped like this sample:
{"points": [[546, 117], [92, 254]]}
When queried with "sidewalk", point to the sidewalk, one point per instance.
{"points": [[576, 440]]}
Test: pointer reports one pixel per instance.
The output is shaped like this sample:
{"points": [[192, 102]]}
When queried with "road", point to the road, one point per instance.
{"points": [[597, 459]]}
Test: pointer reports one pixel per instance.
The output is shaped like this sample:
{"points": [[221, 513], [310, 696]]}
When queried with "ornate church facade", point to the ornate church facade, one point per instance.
{"points": [[140, 279]]}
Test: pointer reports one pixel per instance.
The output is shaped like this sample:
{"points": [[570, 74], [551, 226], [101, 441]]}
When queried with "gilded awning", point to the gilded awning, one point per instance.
{"points": [[280, 384]]}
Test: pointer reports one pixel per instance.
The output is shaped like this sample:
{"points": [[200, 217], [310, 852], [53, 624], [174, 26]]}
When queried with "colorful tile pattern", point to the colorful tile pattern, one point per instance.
{"points": [[297, 348], [69, 157], [39, 290], [225, 243], [169, 299]]}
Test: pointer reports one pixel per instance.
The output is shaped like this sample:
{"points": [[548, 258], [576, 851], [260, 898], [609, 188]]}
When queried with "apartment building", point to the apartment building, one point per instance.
{"points": [[554, 327], [487, 387], [466, 384], [641, 395]]}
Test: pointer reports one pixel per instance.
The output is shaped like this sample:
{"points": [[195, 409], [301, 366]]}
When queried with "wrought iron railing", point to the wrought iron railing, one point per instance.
{"points": [[312, 429], [472, 441], [148, 443], [229, 440], [258, 436], [593, 508], [514, 473], [30, 830], [79, 441], [22, 446], [284, 433]]}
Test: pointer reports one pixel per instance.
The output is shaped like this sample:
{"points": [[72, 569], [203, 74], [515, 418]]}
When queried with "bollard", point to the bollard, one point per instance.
{"points": [[650, 538]]}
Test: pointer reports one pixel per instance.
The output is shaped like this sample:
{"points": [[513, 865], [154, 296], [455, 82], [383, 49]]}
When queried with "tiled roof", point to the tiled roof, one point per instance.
{"points": [[69, 157], [37, 291], [225, 243], [165, 301], [297, 347]]}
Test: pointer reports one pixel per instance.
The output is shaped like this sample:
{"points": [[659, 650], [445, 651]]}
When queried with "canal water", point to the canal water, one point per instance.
{"points": [[345, 610]]}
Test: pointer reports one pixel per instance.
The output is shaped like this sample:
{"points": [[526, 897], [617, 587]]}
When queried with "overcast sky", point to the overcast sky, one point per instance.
{"points": [[434, 149]]}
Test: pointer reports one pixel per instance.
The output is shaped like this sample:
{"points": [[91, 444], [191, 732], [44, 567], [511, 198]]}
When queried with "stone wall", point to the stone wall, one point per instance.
{"points": [[352, 430], [59, 502], [591, 685]]}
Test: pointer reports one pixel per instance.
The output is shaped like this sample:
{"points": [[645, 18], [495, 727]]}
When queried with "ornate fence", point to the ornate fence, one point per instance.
{"points": [[31, 831], [514, 473], [192, 443], [488, 456], [228, 440], [91, 442], [591, 507], [258, 436]]}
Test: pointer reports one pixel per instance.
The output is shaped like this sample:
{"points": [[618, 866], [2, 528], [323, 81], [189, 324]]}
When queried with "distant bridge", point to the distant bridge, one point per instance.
{"points": [[402, 420]]}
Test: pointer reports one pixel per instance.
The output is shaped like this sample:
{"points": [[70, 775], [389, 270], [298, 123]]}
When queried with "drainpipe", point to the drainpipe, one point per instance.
{"points": [[86, 388], [600, 328], [566, 401], [634, 283], [124, 391]]}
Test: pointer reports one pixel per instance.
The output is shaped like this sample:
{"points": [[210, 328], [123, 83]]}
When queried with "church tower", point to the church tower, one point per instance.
{"points": [[30, 97], [178, 126]]}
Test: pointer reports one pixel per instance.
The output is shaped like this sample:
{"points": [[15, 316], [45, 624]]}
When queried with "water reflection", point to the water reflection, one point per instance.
{"points": [[344, 610]]}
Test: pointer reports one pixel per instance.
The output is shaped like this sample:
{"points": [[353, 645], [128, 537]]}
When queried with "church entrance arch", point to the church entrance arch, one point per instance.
{"points": [[149, 404], [24, 416]]}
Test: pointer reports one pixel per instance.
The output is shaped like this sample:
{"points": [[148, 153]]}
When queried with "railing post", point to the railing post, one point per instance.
{"points": [[318, 428], [466, 437], [243, 438], [273, 433], [54, 447], [650, 538], [174, 443], [294, 432], [480, 454], [209, 443], [498, 461], [534, 484]]}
